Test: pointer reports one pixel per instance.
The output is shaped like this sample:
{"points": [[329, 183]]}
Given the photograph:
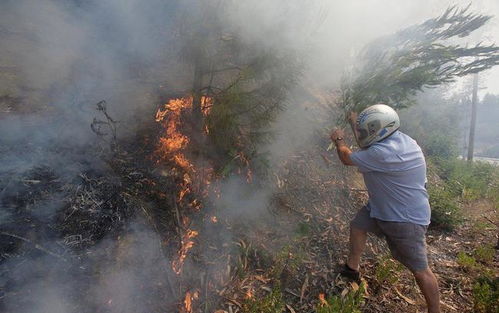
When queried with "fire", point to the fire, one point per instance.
{"points": [[172, 146], [173, 143], [206, 104], [187, 244], [189, 297], [249, 293], [188, 302], [322, 299]]}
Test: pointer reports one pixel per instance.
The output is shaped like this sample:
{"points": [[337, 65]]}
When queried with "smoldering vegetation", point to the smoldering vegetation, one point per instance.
{"points": [[74, 235], [70, 238], [91, 221]]}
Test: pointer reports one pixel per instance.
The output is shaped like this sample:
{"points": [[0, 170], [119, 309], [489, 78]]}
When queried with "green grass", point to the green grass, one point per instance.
{"points": [[480, 226], [271, 303], [486, 295], [387, 270], [465, 261], [346, 302], [287, 260], [303, 229], [484, 254], [462, 182], [469, 181]]}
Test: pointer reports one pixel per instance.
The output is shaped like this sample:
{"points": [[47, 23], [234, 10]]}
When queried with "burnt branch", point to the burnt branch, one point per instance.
{"points": [[106, 127]]}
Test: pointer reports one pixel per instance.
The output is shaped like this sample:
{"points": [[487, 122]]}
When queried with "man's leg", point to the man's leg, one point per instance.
{"points": [[407, 242], [359, 227], [358, 239], [428, 284]]}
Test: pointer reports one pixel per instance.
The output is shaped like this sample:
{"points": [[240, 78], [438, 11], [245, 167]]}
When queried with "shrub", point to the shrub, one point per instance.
{"points": [[440, 145], [387, 270], [469, 181], [485, 254], [303, 229], [287, 261], [271, 303], [480, 226], [347, 302], [445, 211], [486, 295], [465, 261]]}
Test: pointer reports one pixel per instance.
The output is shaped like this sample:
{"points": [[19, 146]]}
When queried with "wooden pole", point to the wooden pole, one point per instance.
{"points": [[474, 102]]}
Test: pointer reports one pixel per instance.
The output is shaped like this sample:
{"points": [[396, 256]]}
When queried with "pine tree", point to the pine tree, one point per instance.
{"points": [[395, 68], [247, 83]]}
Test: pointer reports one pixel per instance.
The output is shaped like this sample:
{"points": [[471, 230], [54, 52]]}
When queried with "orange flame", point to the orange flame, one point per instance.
{"points": [[172, 144], [186, 244], [188, 302], [172, 147], [189, 297], [249, 293], [322, 299]]}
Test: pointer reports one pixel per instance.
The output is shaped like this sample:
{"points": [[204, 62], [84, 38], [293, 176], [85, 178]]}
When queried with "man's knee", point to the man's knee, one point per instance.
{"points": [[423, 274], [356, 231]]}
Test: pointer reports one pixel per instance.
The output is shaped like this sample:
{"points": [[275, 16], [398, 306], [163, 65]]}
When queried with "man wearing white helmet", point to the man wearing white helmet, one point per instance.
{"points": [[394, 171]]}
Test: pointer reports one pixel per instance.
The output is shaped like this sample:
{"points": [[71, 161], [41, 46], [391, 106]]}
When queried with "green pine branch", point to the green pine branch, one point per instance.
{"points": [[396, 67]]}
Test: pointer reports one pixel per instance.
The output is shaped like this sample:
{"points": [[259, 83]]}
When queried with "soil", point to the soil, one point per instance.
{"points": [[111, 242]]}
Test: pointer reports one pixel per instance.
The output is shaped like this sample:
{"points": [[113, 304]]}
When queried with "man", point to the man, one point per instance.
{"points": [[394, 171]]}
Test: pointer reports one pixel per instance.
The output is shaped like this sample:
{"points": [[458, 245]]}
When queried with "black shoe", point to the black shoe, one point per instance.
{"points": [[349, 273]]}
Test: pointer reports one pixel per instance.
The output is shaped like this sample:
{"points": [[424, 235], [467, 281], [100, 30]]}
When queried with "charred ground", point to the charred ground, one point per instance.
{"points": [[109, 242]]}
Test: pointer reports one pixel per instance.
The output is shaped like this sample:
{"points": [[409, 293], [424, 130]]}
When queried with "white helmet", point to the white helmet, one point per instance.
{"points": [[375, 123]]}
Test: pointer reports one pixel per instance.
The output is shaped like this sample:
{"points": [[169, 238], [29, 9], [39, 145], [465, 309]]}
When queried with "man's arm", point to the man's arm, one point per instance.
{"points": [[352, 120], [344, 152]]}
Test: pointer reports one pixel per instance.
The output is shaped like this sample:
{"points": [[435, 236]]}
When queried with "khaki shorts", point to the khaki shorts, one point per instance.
{"points": [[407, 241]]}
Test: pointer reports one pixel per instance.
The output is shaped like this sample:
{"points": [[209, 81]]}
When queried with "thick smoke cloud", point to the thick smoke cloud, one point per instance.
{"points": [[60, 57], [125, 274]]}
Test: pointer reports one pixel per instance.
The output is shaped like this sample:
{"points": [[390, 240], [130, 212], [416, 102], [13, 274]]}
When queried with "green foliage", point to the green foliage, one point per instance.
{"points": [[470, 181], [480, 226], [287, 261], [387, 270], [250, 257], [396, 67], [484, 254], [462, 181], [242, 113], [465, 261], [349, 302], [440, 145], [486, 295], [303, 229], [271, 303], [433, 122], [247, 82], [445, 211]]}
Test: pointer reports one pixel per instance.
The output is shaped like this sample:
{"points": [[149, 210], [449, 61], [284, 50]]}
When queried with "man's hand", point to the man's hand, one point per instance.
{"points": [[337, 134]]}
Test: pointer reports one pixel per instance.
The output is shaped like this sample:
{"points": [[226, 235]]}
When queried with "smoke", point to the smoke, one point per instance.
{"points": [[60, 57], [124, 274]]}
